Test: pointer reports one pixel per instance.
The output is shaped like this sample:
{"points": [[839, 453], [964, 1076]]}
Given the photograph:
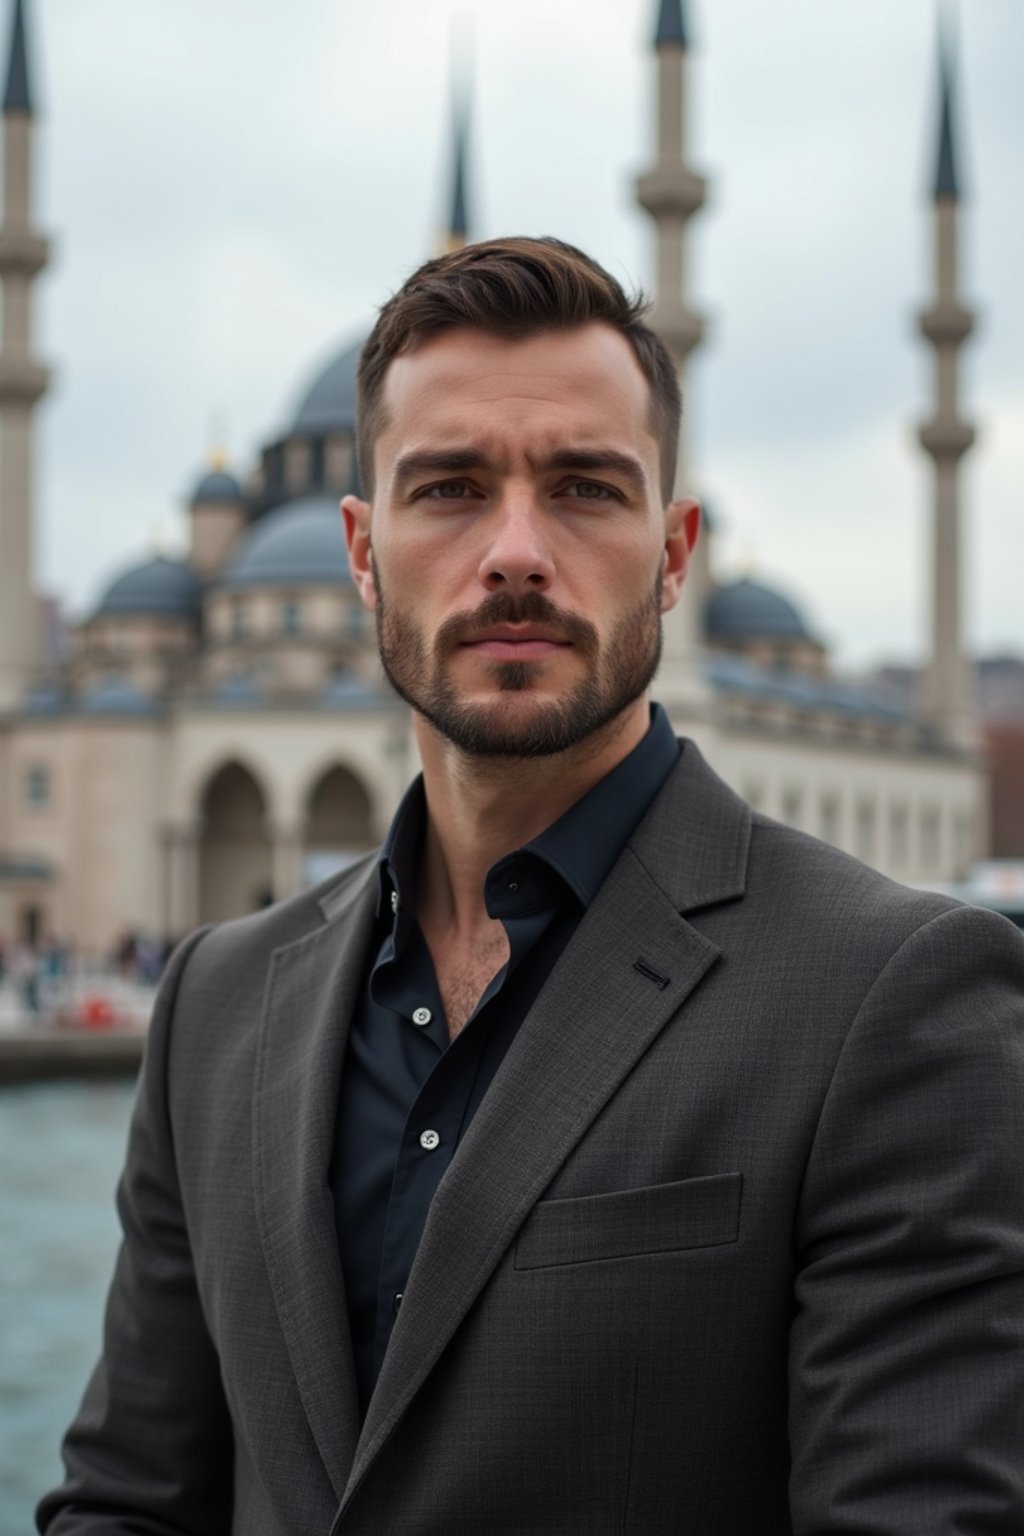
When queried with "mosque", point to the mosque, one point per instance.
{"points": [[220, 733]]}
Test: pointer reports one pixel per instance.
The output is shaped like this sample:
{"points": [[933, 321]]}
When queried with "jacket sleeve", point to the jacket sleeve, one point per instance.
{"points": [[907, 1346], [151, 1448]]}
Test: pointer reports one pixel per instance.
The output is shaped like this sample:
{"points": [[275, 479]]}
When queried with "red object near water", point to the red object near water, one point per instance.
{"points": [[96, 1013]]}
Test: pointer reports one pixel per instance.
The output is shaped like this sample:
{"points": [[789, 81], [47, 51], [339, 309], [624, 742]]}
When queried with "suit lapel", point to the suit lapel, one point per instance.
{"points": [[311, 993], [629, 968]]}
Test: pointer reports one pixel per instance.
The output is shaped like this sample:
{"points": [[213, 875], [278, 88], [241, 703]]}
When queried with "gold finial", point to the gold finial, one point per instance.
{"points": [[218, 454]]}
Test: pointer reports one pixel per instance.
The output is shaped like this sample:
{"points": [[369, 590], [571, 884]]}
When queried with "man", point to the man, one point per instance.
{"points": [[600, 1157]]}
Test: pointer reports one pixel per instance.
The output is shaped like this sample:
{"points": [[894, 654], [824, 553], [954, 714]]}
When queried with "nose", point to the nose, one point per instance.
{"points": [[518, 553]]}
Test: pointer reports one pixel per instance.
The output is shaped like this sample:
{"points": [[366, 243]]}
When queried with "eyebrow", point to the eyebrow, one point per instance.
{"points": [[601, 461], [410, 466]]}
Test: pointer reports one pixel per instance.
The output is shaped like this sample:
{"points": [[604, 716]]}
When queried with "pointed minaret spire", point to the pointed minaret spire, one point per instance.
{"points": [[671, 25], [946, 323], [18, 90], [946, 180], [23, 254], [456, 233], [671, 193], [458, 219]]}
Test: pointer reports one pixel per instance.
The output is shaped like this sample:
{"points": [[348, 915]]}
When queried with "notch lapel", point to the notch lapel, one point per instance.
{"points": [[311, 993]]}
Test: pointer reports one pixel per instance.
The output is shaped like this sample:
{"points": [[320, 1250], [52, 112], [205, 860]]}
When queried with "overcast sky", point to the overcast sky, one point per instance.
{"points": [[234, 186]]}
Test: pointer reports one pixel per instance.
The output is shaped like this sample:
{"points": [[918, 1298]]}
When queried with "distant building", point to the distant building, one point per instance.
{"points": [[215, 732], [998, 702]]}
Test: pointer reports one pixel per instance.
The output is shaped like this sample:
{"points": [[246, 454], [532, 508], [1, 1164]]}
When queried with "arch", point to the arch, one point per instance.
{"points": [[235, 855], [338, 821], [198, 775]]}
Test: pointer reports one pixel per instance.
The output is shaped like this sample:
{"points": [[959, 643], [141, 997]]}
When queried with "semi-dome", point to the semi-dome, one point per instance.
{"points": [[217, 485], [299, 544], [158, 588], [329, 403], [745, 610]]}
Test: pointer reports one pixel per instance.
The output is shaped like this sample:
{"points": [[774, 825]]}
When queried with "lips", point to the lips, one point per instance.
{"points": [[517, 642]]}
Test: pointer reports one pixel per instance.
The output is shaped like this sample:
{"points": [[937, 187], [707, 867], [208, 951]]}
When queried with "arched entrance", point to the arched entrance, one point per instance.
{"points": [[235, 869], [338, 823]]}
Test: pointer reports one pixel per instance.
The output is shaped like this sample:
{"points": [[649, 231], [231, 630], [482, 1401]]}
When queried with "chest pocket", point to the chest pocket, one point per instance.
{"points": [[660, 1218]]}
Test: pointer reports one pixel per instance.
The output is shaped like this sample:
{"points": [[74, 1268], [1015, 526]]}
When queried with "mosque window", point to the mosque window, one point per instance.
{"points": [[792, 806], [931, 828], [829, 818], [273, 467], [866, 830], [239, 624], [37, 785], [899, 835], [316, 461], [962, 833], [291, 618]]}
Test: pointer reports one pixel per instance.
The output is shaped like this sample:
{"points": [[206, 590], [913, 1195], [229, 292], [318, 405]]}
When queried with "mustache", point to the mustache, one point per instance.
{"points": [[506, 608]]}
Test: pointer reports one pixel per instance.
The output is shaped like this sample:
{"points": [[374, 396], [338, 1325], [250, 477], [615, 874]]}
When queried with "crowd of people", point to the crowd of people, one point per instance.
{"points": [[54, 980]]}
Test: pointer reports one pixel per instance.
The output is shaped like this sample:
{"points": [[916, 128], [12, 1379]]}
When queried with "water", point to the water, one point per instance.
{"points": [[61, 1149]]}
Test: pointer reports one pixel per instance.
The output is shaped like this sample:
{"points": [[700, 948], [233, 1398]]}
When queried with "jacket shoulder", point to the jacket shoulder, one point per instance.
{"points": [[251, 940]]}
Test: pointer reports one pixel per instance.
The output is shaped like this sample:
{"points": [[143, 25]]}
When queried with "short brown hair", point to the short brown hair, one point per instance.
{"points": [[514, 288]]}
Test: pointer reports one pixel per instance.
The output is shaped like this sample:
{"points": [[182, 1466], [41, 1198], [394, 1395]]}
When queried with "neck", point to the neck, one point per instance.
{"points": [[480, 808]]}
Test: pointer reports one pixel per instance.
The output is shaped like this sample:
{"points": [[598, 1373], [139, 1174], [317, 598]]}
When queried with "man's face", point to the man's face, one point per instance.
{"points": [[517, 553]]}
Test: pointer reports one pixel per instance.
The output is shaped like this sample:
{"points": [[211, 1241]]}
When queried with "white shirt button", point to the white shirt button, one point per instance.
{"points": [[394, 901], [429, 1140], [422, 1016]]}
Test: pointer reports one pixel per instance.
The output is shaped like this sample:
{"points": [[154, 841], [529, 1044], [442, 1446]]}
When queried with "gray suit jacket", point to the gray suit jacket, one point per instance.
{"points": [[734, 1245]]}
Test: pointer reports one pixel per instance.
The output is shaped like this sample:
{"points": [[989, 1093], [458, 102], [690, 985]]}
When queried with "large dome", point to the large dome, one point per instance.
{"points": [[744, 610], [329, 404], [299, 544], [158, 588]]}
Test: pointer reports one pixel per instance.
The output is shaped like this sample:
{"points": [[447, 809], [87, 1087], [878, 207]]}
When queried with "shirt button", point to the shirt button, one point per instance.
{"points": [[398, 1301], [429, 1140], [513, 885], [422, 1016], [394, 901]]}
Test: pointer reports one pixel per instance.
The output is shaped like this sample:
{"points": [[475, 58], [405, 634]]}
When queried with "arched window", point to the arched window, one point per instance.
{"points": [[235, 862]]}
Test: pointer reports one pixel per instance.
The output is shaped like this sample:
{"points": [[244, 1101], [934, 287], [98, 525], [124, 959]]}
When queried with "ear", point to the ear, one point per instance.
{"points": [[356, 517], [682, 529]]}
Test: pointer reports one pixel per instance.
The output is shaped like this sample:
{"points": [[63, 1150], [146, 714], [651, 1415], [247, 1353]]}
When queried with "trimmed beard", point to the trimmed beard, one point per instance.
{"points": [[615, 678]]}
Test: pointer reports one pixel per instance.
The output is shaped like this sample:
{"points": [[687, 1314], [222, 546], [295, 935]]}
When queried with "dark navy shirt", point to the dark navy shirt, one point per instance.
{"points": [[407, 1094]]}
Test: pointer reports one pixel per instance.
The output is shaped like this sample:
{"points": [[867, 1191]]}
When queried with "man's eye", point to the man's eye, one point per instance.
{"points": [[448, 490], [591, 490]]}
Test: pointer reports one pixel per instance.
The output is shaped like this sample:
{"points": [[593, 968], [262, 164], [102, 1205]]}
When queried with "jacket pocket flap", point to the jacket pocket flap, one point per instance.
{"points": [[661, 1218]]}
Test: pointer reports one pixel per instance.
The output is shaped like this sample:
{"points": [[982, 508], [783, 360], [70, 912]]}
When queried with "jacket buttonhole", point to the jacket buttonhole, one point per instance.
{"points": [[660, 981]]}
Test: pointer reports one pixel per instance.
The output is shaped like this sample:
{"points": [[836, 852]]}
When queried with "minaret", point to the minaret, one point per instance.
{"points": [[23, 254], [671, 193], [456, 235], [945, 692]]}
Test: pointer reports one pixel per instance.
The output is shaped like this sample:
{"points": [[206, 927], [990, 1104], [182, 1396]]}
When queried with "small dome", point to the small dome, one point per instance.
{"points": [[115, 696], [45, 699], [346, 690], [744, 610], [329, 404], [158, 589], [217, 485], [299, 544], [237, 689]]}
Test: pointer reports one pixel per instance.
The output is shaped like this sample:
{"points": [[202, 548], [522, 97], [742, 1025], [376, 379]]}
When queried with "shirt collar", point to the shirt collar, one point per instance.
{"points": [[584, 843], [581, 846]]}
